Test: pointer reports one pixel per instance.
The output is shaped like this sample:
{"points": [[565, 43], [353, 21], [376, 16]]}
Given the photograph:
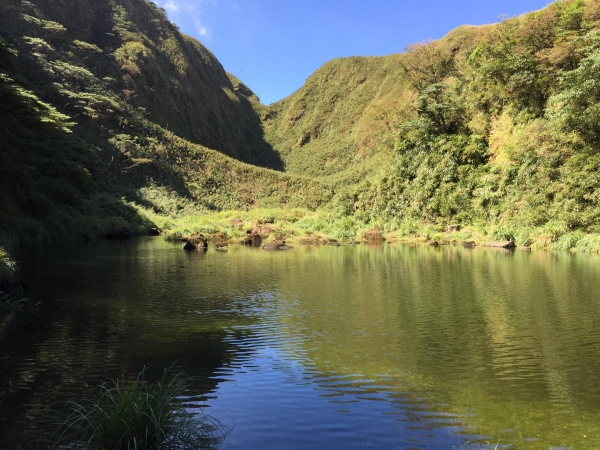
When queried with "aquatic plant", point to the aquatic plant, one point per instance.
{"points": [[139, 416]]}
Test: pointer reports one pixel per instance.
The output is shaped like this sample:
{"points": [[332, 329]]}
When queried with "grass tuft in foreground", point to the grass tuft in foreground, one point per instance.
{"points": [[139, 416], [8, 267]]}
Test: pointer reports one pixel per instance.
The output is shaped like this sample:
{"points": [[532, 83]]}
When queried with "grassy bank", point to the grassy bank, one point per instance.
{"points": [[302, 226]]}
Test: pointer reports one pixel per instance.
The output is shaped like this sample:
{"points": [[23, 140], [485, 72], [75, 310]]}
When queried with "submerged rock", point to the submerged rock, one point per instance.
{"points": [[277, 245], [272, 246], [252, 239], [501, 244]]}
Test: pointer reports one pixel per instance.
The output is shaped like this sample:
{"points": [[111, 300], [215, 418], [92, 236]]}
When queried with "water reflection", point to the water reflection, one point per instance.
{"points": [[324, 347]]}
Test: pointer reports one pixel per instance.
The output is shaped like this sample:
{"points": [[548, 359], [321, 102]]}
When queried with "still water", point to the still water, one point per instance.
{"points": [[388, 347]]}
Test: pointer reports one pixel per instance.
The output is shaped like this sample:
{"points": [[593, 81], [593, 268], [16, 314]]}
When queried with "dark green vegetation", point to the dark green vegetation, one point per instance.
{"points": [[8, 267], [108, 113], [141, 416]]}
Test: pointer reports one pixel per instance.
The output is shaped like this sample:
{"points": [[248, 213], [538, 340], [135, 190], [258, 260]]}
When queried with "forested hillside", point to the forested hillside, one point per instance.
{"points": [[505, 133]]}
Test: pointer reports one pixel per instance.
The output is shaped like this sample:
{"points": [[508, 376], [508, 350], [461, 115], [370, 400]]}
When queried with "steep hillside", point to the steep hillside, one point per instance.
{"points": [[130, 49], [97, 98], [346, 113], [506, 134]]}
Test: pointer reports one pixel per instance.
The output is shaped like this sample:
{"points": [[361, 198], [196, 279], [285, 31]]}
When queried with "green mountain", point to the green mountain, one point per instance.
{"points": [[111, 117], [347, 113]]}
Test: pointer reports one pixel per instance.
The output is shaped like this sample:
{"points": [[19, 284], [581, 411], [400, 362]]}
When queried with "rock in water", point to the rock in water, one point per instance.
{"points": [[252, 239], [374, 236], [277, 245], [220, 236], [189, 245], [272, 246], [262, 230], [501, 244]]}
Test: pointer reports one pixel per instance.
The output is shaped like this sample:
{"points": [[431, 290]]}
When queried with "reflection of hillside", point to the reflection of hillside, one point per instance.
{"points": [[109, 309], [497, 334]]}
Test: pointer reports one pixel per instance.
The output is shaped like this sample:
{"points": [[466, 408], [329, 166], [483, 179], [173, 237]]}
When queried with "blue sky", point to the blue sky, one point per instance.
{"points": [[274, 45]]}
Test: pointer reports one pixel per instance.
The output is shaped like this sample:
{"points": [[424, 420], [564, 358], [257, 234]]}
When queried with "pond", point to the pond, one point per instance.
{"points": [[390, 346]]}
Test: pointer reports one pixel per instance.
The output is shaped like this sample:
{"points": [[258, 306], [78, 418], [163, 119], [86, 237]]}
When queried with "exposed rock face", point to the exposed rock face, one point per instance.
{"points": [[196, 241], [452, 228], [501, 244], [220, 236], [374, 236]]}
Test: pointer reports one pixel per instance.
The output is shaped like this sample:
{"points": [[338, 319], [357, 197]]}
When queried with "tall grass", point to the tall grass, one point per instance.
{"points": [[139, 416]]}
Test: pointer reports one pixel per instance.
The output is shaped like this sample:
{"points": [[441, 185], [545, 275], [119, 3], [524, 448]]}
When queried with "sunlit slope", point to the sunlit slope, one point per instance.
{"points": [[348, 111], [505, 134]]}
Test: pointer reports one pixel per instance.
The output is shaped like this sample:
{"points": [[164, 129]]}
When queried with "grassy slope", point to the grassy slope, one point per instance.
{"points": [[171, 77], [82, 106], [347, 112]]}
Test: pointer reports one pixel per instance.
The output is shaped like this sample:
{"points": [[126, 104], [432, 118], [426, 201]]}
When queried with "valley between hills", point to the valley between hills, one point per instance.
{"points": [[112, 119]]}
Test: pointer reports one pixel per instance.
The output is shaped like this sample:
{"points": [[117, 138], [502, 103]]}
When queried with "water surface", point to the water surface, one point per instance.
{"points": [[321, 347]]}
